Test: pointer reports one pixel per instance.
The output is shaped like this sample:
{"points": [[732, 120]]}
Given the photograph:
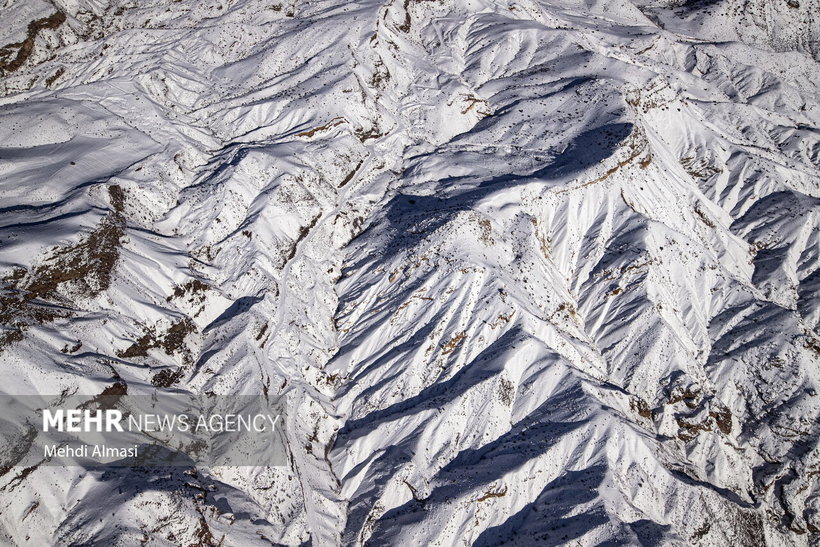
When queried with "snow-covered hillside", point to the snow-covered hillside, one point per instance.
{"points": [[529, 272]]}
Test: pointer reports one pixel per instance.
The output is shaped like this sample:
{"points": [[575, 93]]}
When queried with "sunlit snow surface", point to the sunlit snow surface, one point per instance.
{"points": [[526, 272]]}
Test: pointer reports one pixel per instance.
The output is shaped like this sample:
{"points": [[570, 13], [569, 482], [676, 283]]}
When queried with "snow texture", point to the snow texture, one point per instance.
{"points": [[532, 272]]}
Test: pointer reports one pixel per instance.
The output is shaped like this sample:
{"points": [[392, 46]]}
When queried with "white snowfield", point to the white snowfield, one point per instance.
{"points": [[542, 273]]}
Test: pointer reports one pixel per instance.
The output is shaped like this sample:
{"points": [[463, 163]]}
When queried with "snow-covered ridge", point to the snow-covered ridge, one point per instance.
{"points": [[534, 272]]}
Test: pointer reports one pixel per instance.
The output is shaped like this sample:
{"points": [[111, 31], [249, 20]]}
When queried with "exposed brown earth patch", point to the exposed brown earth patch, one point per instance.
{"points": [[54, 77], [350, 175], [108, 398], [26, 47], [405, 27], [487, 495], [171, 342], [166, 378], [329, 125], [641, 407], [303, 232], [454, 342], [608, 173], [41, 294], [723, 419], [191, 289]]}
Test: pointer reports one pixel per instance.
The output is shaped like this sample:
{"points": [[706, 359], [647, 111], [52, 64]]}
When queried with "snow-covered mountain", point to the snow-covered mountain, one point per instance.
{"points": [[524, 271]]}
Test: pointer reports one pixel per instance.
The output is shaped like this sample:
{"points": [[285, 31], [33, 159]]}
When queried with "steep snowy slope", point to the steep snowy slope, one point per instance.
{"points": [[525, 272]]}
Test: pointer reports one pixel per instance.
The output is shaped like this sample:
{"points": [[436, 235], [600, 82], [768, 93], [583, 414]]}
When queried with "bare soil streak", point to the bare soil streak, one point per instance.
{"points": [[84, 269], [25, 48]]}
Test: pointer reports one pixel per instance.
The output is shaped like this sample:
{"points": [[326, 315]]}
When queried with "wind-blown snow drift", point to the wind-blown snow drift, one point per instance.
{"points": [[524, 271]]}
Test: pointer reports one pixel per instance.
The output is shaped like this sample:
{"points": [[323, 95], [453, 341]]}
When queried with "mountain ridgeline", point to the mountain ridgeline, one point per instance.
{"points": [[524, 272]]}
